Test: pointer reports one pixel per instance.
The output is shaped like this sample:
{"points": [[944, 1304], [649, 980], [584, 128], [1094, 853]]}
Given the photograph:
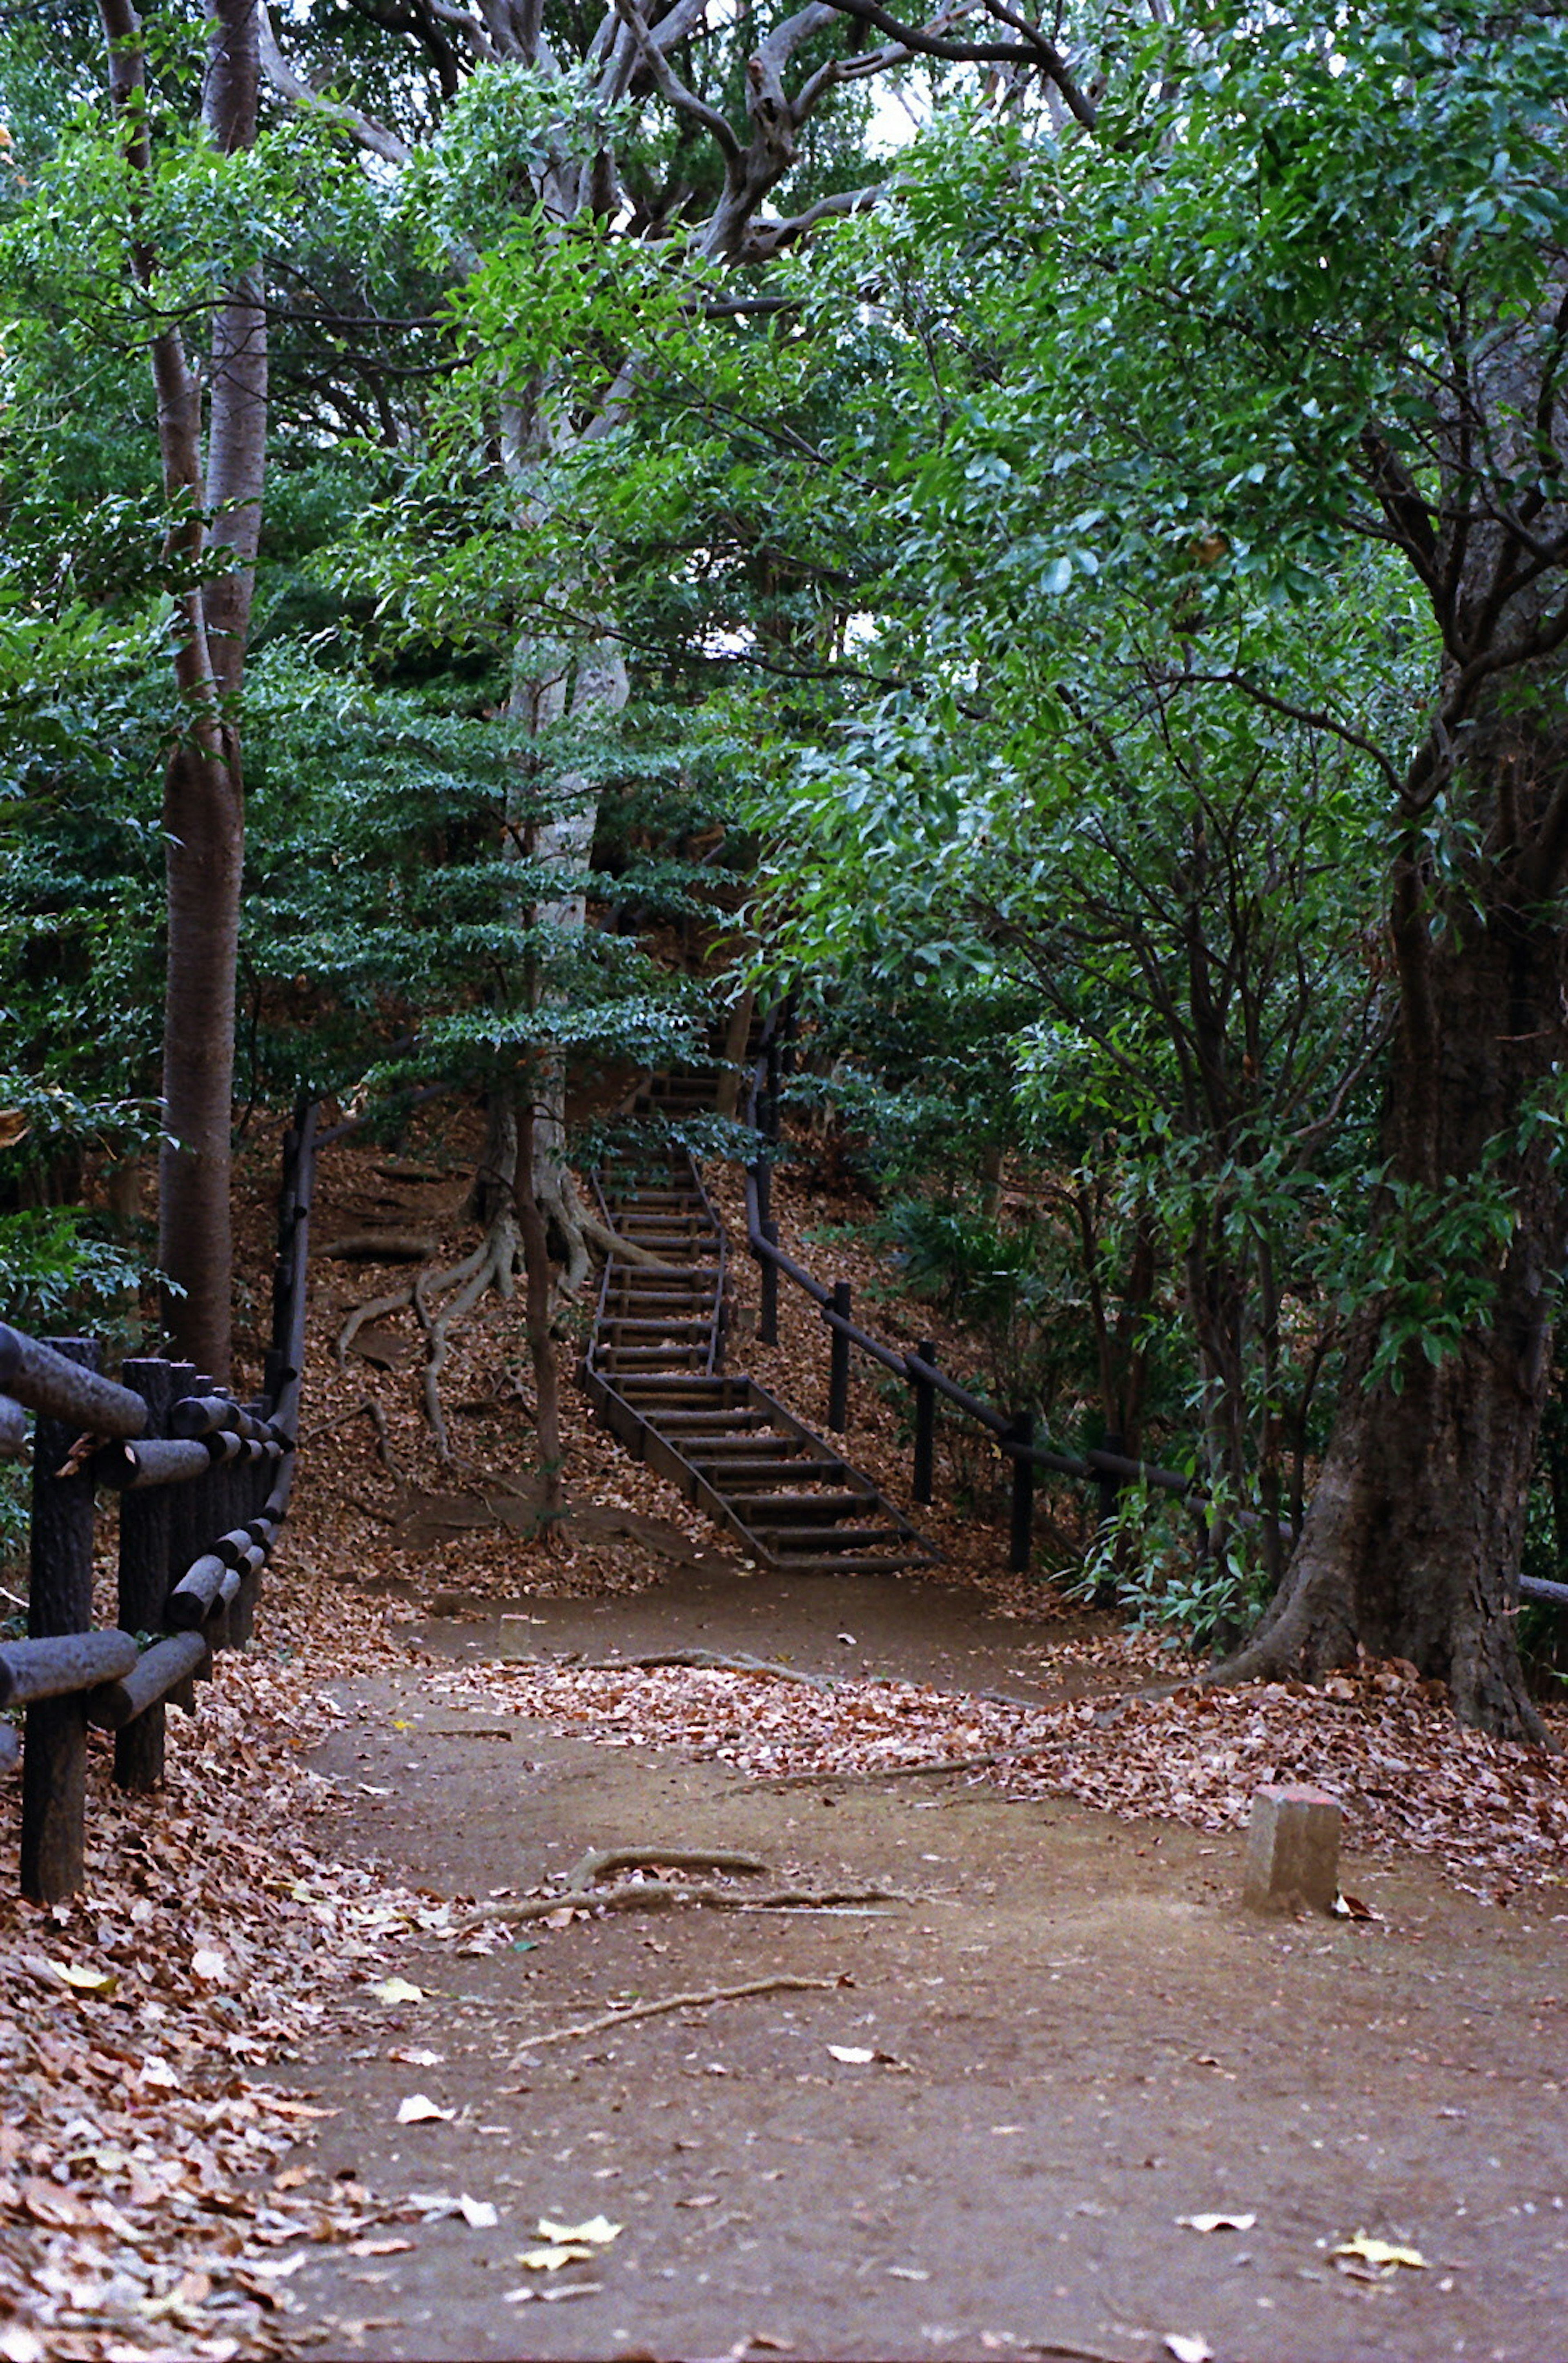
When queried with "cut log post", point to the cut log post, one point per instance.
{"points": [[1021, 1536], [123, 1706], [60, 1601], [187, 1536], [192, 1600], [215, 1414], [49, 1379], [925, 1424], [54, 1666], [216, 1493], [839, 1361], [163, 1461], [145, 1520], [13, 1429]]}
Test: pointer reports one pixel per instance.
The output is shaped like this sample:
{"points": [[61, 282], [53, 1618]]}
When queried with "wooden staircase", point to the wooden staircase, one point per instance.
{"points": [[655, 1373]]}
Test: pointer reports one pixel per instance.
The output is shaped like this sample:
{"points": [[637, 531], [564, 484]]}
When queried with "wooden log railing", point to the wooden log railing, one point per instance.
{"points": [[204, 1483], [1107, 1468]]}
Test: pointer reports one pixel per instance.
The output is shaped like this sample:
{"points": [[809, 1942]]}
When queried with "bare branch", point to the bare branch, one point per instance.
{"points": [[282, 79], [1311, 716], [669, 85], [766, 239], [1032, 50]]}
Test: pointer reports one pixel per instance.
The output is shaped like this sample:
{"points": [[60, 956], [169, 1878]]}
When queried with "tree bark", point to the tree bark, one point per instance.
{"points": [[1412, 1542], [202, 787], [541, 1337]]}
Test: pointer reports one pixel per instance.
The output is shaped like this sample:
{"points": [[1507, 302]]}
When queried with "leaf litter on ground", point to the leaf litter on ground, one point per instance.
{"points": [[1410, 1780], [143, 2199]]}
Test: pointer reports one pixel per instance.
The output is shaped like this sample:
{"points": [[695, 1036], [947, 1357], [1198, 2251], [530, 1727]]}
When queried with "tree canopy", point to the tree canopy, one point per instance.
{"points": [[1086, 566]]}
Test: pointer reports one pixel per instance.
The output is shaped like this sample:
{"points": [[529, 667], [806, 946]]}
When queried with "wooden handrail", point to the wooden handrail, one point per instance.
{"points": [[204, 1483]]}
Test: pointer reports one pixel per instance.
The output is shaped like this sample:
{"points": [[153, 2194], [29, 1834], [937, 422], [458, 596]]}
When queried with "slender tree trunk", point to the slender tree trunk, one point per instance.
{"points": [[203, 788], [203, 820], [565, 839]]}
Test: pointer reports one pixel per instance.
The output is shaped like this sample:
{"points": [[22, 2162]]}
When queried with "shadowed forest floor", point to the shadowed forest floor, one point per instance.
{"points": [[1076, 2037]]}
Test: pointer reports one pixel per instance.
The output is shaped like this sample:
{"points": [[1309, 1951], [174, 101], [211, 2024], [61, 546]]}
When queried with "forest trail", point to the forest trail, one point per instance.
{"points": [[1076, 2039], [655, 1374]]}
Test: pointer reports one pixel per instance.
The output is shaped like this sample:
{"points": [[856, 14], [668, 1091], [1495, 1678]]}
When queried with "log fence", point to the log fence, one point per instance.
{"points": [[204, 1483], [1107, 1468]]}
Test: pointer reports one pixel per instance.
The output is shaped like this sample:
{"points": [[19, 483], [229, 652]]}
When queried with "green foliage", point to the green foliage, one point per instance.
{"points": [[58, 1276], [1167, 1574]]}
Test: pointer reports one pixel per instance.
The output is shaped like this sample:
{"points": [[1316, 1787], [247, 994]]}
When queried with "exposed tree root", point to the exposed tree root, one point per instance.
{"points": [[495, 1267], [603, 1861], [368, 1407], [707, 1661], [382, 1247], [932, 1768], [400, 1300], [657, 1895], [700, 2000]]}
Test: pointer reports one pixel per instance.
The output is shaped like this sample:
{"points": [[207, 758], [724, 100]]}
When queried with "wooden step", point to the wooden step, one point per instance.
{"points": [[747, 1477], [851, 1563], [696, 1423], [786, 1495], [641, 1358], [814, 1538], [765, 1507], [672, 1325]]}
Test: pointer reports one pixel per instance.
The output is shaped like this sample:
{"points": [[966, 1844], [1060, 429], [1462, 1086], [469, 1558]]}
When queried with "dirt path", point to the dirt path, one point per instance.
{"points": [[1081, 2039]]}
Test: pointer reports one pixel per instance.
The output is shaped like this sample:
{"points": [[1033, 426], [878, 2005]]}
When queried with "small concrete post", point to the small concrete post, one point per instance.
{"points": [[1292, 1851]]}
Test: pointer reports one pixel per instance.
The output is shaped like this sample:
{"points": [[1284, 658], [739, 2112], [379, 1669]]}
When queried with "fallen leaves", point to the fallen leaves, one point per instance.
{"points": [[598, 2230], [144, 2201], [397, 1990], [1219, 2222], [570, 2244], [82, 1980], [1409, 1779], [1381, 2256], [418, 2109]]}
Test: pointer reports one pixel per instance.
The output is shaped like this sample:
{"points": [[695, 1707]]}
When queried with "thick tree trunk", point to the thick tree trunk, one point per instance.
{"points": [[1412, 1542]]}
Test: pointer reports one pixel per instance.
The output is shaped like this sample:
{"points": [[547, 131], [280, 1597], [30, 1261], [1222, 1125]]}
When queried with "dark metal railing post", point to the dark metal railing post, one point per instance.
{"points": [[839, 1363], [768, 1316], [924, 1424], [145, 1519], [60, 1600], [774, 1078], [1021, 1545]]}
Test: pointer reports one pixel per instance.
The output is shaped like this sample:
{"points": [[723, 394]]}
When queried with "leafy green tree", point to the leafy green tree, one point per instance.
{"points": [[1204, 392]]}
